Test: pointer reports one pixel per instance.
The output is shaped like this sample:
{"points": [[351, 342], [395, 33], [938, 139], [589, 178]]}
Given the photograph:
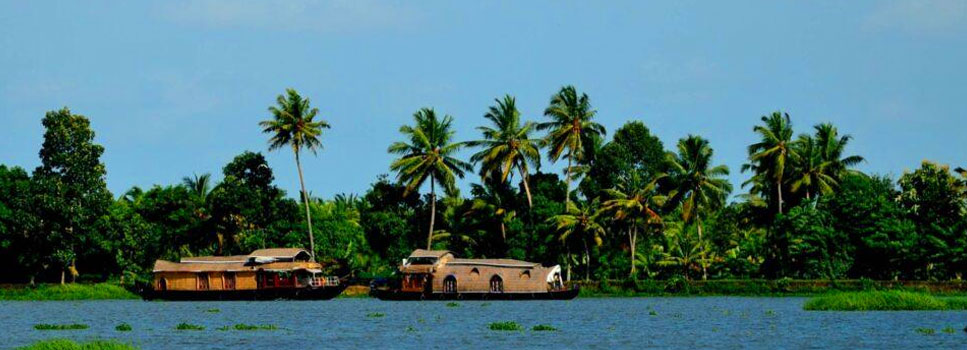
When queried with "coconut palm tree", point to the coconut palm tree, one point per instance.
{"points": [[810, 172], [428, 154], [200, 186], [684, 250], [571, 127], [832, 146], [768, 157], [581, 220], [488, 202], [699, 187], [635, 203], [507, 146], [294, 124]]}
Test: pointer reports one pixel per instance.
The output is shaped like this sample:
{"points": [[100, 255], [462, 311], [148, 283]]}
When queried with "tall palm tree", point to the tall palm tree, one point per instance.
{"points": [[428, 154], [571, 127], [684, 250], [699, 186], [832, 146], [294, 124], [507, 146], [200, 186], [811, 172], [634, 202], [769, 156], [582, 221]]}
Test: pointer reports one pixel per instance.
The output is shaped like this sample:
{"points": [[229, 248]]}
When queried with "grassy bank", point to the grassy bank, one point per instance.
{"points": [[72, 291], [64, 344], [884, 301], [755, 287]]}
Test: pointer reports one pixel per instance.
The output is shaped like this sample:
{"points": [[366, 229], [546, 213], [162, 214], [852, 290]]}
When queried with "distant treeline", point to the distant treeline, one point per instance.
{"points": [[625, 206]]}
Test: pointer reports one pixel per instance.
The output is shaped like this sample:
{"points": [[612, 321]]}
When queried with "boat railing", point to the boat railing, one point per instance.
{"points": [[324, 281]]}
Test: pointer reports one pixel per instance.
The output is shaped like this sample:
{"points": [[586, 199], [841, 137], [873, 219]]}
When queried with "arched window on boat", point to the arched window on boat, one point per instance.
{"points": [[202, 281], [525, 275], [496, 284], [163, 284], [474, 274], [450, 285]]}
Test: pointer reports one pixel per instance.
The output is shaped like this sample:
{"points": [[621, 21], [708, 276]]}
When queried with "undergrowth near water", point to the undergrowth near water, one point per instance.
{"points": [[73, 291], [60, 327], [65, 344], [884, 300]]}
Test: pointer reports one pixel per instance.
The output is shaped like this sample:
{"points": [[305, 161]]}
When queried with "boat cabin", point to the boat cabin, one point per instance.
{"points": [[439, 271], [260, 270]]}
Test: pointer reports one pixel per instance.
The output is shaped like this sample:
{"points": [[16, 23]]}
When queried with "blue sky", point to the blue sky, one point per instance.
{"points": [[175, 88]]}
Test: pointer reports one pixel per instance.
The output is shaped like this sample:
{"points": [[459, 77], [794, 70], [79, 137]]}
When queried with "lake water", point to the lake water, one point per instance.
{"points": [[681, 323]]}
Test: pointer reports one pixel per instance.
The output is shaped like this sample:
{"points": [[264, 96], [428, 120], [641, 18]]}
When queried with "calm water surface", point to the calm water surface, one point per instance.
{"points": [[680, 323]]}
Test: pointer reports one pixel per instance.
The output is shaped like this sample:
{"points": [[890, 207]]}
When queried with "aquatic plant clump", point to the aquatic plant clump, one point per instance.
{"points": [[189, 327], [926, 331], [543, 328], [252, 327], [882, 301], [452, 304], [213, 311], [60, 327], [375, 315], [65, 344], [506, 326], [124, 327]]}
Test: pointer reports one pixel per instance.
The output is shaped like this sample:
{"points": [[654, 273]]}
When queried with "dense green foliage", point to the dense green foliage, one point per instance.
{"points": [[506, 326], [65, 344], [67, 292], [60, 327], [883, 300], [639, 211]]}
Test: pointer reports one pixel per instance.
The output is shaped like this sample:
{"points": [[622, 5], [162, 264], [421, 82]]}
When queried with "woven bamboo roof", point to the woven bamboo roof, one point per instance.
{"points": [[423, 253], [278, 252], [215, 259], [494, 262]]}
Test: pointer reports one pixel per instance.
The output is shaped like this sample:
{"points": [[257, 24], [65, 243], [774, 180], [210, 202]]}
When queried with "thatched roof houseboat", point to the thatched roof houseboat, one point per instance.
{"points": [[265, 274], [438, 274]]}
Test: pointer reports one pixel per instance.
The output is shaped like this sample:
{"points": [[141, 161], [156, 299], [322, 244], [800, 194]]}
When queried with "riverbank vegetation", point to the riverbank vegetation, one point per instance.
{"points": [[625, 206], [65, 344], [884, 301], [67, 292]]}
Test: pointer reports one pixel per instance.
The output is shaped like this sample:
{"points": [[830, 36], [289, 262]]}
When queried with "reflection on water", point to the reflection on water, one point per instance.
{"points": [[717, 322]]}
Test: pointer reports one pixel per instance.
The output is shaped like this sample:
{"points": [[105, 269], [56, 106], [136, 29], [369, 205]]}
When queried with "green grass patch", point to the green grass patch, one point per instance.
{"points": [[213, 311], [189, 327], [124, 327], [884, 301], [375, 315], [543, 328], [453, 304], [926, 331], [506, 326], [73, 291], [60, 327], [65, 344]]}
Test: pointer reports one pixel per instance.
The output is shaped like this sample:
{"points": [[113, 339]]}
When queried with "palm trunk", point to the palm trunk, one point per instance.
{"points": [[527, 188], [503, 232], [704, 259], [63, 273], [587, 261], [567, 181], [569, 259], [429, 238], [305, 200], [779, 190], [632, 237]]}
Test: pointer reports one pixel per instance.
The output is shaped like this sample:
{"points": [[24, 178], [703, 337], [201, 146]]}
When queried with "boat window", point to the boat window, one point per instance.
{"points": [[496, 284], [423, 260], [163, 284], [474, 274], [525, 275], [229, 280], [450, 285], [202, 281]]}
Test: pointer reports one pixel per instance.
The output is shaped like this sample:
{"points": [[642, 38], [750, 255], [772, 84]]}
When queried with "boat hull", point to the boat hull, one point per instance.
{"points": [[384, 294], [320, 293]]}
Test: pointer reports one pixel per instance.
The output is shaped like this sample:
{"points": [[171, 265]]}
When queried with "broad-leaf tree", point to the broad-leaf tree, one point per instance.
{"points": [[294, 125], [428, 153]]}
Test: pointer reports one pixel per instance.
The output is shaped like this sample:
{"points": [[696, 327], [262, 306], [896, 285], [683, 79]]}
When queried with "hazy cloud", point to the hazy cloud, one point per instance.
{"points": [[292, 15], [919, 17]]}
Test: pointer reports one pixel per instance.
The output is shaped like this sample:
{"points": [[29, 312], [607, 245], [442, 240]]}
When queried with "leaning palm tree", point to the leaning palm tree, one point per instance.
{"points": [[428, 154], [635, 203], [571, 127], [769, 156], [582, 221], [200, 186], [293, 124], [507, 146], [699, 187]]}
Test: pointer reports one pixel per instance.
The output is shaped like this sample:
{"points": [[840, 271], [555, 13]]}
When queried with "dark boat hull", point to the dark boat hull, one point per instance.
{"points": [[384, 294], [321, 293]]}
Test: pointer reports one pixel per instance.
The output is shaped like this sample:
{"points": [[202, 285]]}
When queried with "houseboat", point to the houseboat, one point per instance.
{"points": [[266, 274], [439, 275]]}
